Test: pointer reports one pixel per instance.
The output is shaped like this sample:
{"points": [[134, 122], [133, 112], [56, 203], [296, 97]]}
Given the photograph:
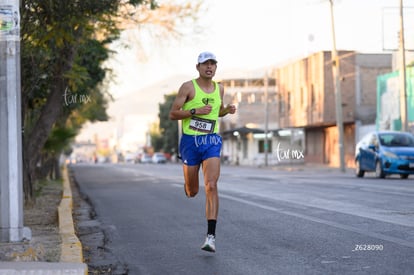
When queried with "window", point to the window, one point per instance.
{"points": [[288, 102], [312, 96], [252, 98], [262, 146]]}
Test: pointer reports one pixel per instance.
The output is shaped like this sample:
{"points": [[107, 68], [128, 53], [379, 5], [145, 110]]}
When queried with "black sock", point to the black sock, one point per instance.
{"points": [[211, 229]]}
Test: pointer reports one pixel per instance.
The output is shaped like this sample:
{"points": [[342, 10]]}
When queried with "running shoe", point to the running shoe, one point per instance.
{"points": [[210, 244]]}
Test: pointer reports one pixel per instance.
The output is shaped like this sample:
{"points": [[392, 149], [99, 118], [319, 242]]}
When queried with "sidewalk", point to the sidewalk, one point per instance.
{"points": [[71, 258]]}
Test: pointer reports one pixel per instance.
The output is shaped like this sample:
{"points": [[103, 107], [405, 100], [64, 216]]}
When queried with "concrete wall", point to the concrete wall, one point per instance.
{"points": [[306, 98]]}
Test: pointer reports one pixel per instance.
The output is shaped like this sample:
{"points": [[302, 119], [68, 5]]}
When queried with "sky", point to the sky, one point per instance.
{"points": [[246, 35]]}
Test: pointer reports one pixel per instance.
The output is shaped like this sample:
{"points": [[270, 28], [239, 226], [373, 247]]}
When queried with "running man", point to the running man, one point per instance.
{"points": [[199, 104]]}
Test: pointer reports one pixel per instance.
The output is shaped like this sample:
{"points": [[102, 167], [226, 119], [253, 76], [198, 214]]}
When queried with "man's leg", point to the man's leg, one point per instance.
{"points": [[191, 180], [211, 171]]}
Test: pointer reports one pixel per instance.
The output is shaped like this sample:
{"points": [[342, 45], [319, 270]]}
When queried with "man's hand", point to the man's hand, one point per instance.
{"points": [[205, 110], [230, 109]]}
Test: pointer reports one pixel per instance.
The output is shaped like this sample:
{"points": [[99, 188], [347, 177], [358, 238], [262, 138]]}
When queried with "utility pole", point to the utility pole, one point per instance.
{"points": [[266, 138], [403, 83], [11, 175], [338, 97]]}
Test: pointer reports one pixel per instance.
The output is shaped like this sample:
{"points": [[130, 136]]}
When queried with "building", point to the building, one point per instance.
{"points": [[389, 101], [306, 97], [243, 133], [300, 115]]}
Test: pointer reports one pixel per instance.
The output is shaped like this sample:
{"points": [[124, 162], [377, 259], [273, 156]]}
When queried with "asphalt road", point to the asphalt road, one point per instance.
{"points": [[271, 221]]}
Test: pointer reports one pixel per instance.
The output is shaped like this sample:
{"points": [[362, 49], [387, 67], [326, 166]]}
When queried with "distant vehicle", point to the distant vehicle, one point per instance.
{"points": [[145, 158], [130, 157], [385, 153], [159, 158]]}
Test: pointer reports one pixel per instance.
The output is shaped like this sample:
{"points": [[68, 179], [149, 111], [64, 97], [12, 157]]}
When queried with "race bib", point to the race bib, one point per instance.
{"points": [[202, 125]]}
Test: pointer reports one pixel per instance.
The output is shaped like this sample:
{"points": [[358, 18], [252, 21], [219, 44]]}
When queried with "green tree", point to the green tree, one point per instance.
{"points": [[90, 105], [157, 139], [165, 136], [63, 46], [54, 36]]}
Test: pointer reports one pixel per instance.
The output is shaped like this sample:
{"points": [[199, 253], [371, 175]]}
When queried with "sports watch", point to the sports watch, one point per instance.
{"points": [[192, 111]]}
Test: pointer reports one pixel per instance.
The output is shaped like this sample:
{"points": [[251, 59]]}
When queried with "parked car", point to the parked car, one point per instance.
{"points": [[159, 158], [145, 158], [129, 157], [385, 153]]}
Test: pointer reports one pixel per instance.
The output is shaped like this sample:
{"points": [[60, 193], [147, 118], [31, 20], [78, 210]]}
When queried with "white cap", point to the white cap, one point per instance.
{"points": [[204, 56]]}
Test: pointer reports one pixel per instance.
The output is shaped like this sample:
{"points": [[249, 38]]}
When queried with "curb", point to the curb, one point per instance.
{"points": [[71, 247], [41, 268]]}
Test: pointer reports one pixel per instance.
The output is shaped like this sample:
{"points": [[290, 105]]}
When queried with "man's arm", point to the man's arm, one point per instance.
{"points": [[186, 93], [176, 113], [229, 109]]}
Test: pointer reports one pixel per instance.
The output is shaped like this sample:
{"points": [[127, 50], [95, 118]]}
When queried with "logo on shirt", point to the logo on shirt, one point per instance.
{"points": [[207, 100]]}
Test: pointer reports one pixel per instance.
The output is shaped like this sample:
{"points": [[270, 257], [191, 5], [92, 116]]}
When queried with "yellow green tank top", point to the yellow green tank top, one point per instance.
{"points": [[202, 124]]}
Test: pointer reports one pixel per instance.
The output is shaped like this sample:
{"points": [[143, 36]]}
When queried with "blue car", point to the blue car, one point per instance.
{"points": [[385, 153]]}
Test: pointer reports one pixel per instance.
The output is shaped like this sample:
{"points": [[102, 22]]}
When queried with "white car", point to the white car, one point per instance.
{"points": [[159, 158], [145, 158]]}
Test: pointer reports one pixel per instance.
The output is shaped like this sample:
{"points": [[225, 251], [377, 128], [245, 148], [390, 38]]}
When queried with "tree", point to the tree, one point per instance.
{"points": [[88, 104], [157, 139], [168, 129], [63, 46], [54, 33]]}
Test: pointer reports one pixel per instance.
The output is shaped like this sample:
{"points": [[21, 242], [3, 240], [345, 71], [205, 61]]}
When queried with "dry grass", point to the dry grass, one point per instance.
{"points": [[42, 219]]}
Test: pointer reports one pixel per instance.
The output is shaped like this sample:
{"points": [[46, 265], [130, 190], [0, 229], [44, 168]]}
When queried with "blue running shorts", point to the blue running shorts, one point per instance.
{"points": [[195, 149]]}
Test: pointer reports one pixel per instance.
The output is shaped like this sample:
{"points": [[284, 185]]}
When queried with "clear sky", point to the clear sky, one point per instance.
{"points": [[247, 35]]}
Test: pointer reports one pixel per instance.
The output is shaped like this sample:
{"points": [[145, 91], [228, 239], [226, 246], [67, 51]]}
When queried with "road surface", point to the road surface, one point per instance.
{"points": [[271, 221]]}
